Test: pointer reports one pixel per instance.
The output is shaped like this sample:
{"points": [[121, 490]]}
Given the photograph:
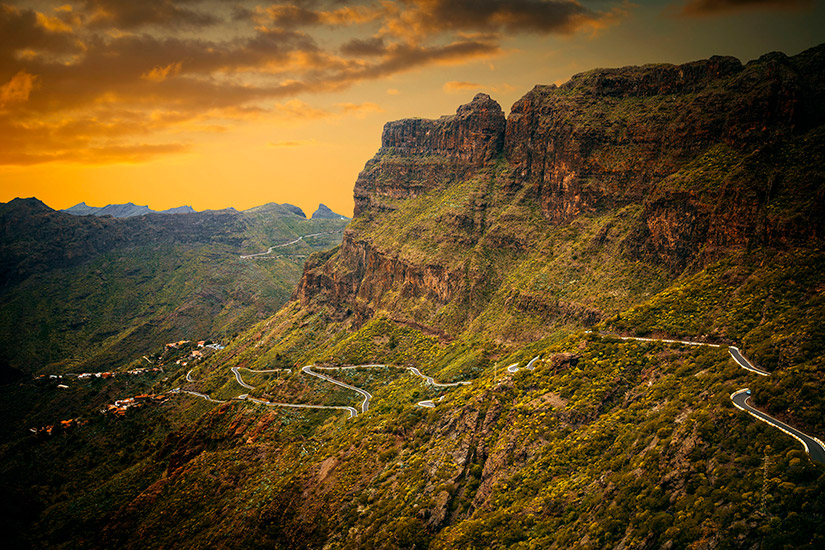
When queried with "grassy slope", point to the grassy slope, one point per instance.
{"points": [[607, 443], [625, 442], [128, 301]]}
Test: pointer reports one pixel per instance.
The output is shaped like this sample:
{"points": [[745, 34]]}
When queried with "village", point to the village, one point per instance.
{"points": [[120, 406], [60, 427], [105, 374]]}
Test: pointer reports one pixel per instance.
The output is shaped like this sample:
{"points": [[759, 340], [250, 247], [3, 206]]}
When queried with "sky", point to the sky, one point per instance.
{"points": [[219, 103]]}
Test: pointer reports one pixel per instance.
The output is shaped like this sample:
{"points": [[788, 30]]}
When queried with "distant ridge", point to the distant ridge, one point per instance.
{"points": [[271, 207], [127, 210], [324, 213]]}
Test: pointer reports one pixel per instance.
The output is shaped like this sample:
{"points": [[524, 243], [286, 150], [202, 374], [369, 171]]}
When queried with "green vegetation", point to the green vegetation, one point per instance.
{"points": [[712, 234], [180, 283]]}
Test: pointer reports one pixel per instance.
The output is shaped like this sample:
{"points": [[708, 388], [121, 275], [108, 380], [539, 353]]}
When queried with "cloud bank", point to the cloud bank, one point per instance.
{"points": [[100, 81]]}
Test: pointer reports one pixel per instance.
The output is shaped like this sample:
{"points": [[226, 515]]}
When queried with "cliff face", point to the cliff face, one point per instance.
{"points": [[418, 154], [609, 136], [708, 156], [96, 291]]}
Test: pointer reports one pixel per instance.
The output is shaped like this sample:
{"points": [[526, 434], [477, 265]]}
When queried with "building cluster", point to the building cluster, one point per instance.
{"points": [[120, 406], [62, 426], [196, 354], [107, 374], [177, 345]]}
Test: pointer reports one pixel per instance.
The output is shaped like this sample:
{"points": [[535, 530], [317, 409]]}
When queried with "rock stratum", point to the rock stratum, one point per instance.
{"points": [[677, 165], [500, 255]]}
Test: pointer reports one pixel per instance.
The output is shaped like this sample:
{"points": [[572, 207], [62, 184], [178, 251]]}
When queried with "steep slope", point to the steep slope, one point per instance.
{"points": [[661, 201], [122, 210], [96, 291], [591, 195], [324, 213]]}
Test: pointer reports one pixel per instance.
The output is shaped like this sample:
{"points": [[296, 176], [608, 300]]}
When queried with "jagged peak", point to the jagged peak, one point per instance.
{"points": [[481, 103], [324, 212], [653, 79]]}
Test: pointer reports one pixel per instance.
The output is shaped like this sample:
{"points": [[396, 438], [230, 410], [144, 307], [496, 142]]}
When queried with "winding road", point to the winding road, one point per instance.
{"points": [[744, 363], [299, 239], [429, 403], [197, 394], [365, 405], [429, 380], [240, 380], [813, 446], [514, 368]]}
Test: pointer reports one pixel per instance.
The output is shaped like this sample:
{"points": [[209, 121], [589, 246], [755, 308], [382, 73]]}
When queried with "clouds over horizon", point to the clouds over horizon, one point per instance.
{"points": [[704, 8], [124, 81]]}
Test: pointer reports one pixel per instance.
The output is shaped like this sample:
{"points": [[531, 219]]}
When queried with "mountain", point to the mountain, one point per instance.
{"points": [[82, 209], [88, 292], [324, 213], [280, 208], [178, 210], [122, 210], [541, 269]]}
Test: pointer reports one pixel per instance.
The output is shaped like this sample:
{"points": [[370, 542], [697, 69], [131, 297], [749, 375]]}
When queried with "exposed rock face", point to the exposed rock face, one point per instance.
{"points": [[609, 136], [605, 140], [418, 154], [324, 213], [361, 278]]}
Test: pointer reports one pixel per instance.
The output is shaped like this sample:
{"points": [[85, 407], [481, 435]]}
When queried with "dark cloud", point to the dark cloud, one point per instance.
{"points": [[541, 16], [308, 14], [717, 7], [366, 47], [131, 14], [403, 57], [291, 16], [21, 31], [107, 77]]}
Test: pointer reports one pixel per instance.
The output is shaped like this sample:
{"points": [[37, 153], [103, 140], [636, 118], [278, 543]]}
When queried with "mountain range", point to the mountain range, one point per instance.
{"points": [[129, 210], [122, 210], [87, 291], [530, 335]]}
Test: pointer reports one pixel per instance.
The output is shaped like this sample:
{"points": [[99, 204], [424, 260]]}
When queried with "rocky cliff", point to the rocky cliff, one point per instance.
{"points": [[676, 164], [417, 154], [613, 137]]}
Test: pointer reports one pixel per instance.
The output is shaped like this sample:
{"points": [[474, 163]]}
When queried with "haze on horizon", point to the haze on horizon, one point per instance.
{"points": [[234, 103]]}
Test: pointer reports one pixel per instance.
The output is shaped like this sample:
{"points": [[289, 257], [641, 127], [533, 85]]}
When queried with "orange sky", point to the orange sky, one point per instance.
{"points": [[232, 103]]}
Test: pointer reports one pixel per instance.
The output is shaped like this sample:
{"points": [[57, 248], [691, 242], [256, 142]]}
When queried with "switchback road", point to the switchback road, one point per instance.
{"points": [[530, 365], [240, 380], [744, 363], [429, 380], [813, 446], [299, 239], [365, 405]]}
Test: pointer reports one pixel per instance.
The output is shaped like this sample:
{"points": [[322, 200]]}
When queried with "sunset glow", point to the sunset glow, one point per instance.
{"points": [[218, 103]]}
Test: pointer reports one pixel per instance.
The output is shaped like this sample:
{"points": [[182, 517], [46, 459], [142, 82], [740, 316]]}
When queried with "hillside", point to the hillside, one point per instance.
{"points": [[517, 261], [122, 210], [86, 292]]}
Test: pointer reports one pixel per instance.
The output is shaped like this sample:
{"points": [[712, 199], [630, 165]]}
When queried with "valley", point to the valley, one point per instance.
{"points": [[539, 330]]}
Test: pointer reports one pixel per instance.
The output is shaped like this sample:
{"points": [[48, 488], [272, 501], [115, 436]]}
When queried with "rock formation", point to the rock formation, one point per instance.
{"points": [[417, 154], [684, 146]]}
